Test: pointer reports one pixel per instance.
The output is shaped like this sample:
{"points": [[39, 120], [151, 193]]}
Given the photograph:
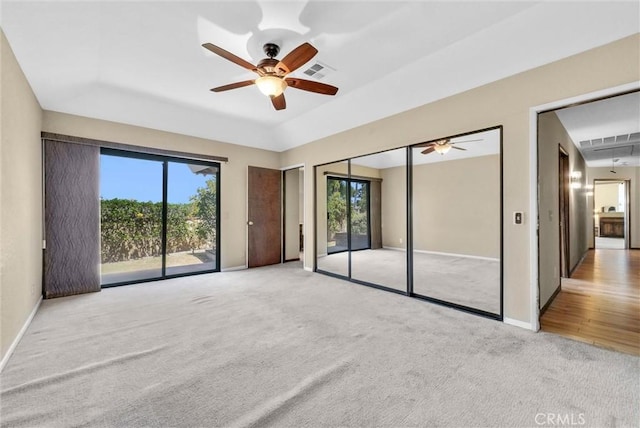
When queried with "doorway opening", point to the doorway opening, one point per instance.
{"points": [[611, 214], [293, 214], [588, 291]]}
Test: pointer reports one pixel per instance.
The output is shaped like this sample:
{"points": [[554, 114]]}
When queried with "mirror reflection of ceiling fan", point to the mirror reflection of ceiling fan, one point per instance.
{"points": [[273, 80], [443, 146]]}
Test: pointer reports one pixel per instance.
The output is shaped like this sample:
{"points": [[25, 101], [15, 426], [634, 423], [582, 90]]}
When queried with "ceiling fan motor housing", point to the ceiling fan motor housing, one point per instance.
{"points": [[271, 49], [268, 65]]}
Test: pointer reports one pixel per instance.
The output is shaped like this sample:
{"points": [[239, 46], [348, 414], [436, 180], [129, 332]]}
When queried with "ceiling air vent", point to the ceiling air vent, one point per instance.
{"points": [[319, 70]]}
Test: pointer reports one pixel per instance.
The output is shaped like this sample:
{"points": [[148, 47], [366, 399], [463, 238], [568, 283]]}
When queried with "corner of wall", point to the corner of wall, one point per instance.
{"points": [[21, 196]]}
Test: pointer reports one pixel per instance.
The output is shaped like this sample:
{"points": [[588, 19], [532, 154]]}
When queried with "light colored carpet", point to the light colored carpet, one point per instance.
{"points": [[456, 279], [283, 347]]}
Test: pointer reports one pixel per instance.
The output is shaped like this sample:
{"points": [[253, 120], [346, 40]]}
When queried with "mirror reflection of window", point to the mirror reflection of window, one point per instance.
{"points": [[331, 225], [336, 214], [378, 231], [456, 220]]}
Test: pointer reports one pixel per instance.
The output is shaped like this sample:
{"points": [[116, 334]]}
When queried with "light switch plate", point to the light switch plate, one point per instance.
{"points": [[518, 217]]}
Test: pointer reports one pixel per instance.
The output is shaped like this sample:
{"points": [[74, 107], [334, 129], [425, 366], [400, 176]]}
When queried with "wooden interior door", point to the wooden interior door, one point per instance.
{"points": [[264, 216], [563, 208]]}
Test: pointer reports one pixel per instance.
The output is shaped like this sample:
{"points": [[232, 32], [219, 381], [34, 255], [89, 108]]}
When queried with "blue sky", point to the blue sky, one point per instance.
{"points": [[141, 179]]}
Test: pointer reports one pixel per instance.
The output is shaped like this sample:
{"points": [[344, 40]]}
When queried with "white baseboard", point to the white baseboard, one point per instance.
{"points": [[308, 269], [394, 248], [466, 256], [233, 268], [12, 348], [518, 323]]}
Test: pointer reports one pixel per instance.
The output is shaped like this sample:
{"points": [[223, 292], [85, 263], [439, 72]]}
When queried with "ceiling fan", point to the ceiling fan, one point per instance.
{"points": [[273, 80], [443, 146]]}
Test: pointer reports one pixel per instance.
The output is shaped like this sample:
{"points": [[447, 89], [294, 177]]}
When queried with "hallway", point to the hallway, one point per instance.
{"points": [[600, 303]]}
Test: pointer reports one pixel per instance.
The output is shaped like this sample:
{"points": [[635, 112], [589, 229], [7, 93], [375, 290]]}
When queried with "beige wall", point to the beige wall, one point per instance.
{"points": [[233, 174], [622, 173], [394, 207], [506, 102], [461, 197], [606, 195], [456, 207], [21, 196], [551, 134]]}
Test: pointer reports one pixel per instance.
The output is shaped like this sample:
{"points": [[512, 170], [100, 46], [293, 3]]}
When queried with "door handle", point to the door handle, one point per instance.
{"points": [[250, 223]]}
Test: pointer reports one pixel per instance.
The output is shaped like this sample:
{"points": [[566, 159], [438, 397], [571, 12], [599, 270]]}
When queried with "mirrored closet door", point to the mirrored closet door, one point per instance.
{"points": [[379, 184], [457, 209], [332, 228], [424, 220]]}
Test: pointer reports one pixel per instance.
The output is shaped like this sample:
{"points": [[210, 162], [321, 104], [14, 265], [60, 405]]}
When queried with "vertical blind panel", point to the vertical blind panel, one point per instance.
{"points": [[72, 219]]}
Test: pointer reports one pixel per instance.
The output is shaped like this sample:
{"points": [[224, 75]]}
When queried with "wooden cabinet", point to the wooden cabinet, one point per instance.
{"points": [[612, 227]]}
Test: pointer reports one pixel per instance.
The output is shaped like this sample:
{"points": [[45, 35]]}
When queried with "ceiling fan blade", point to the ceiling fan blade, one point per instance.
{"points": [[425, 145], [279, 102], [233, 86], [457, 148], [428, 150], [297, 58], [229, 56], [311, 86]]}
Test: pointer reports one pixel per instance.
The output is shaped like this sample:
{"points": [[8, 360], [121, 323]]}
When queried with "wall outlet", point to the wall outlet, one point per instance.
{"points": [[401, 240]]}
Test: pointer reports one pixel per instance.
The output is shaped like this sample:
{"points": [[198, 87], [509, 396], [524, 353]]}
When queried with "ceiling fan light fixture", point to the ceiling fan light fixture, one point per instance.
{"points": [[271, 86], [442, 148]]}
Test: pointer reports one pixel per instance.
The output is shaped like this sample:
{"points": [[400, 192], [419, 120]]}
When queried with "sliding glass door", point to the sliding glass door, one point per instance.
{"points": [[159, 217], [192, 206], [130, 219]]}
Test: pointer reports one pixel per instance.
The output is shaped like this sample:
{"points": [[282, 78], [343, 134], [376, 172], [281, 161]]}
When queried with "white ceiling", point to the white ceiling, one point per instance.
{"points": [[607, 132], [142, 62]]}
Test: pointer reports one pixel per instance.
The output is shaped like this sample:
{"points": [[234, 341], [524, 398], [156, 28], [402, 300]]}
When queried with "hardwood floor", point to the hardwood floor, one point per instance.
{"points": [[600, 303]]}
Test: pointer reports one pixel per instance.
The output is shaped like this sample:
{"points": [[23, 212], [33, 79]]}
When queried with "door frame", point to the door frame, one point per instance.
{"points": [[300, 168], [534, 292]]}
